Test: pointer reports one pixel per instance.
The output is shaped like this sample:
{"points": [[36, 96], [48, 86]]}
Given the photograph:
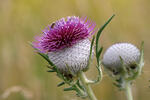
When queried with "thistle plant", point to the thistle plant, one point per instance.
{"points": [[66, 46], [124, 62]]}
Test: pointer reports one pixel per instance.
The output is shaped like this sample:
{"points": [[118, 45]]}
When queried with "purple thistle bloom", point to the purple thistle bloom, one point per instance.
{"points": [[67, 44], [64, 33]]}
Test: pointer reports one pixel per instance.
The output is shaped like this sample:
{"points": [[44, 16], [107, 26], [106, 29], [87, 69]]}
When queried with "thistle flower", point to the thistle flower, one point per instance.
{"points": [[67, 43], [125, 51]]}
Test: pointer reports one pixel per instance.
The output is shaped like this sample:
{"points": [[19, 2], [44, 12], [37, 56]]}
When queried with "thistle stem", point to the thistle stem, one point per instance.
{"points": [[128, 91], [87, 86]]}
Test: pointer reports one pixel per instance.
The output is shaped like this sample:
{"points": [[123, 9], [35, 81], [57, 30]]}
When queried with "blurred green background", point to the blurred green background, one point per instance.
{"points": [[23, 73]]}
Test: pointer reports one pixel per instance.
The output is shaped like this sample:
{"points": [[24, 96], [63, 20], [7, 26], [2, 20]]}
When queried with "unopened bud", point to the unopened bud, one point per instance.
{"points": [[125, 51]]}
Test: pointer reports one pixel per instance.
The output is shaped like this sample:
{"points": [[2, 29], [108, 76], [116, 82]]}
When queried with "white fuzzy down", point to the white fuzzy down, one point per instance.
{"points": [[75, 57], [128, 52]]}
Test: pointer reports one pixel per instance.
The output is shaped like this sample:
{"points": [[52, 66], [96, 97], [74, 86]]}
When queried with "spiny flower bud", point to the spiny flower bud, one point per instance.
{"points": [[73, 58], [125, 51], [67, 43]]}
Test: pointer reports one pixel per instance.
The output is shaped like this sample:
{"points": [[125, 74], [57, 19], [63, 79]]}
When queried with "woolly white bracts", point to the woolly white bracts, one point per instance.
{"points": [[128, 52], [72, 59]]}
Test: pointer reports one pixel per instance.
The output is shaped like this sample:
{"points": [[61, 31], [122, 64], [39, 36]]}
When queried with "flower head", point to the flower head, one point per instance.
{"points": [[128, 52], [64, 33], [67, 44]]}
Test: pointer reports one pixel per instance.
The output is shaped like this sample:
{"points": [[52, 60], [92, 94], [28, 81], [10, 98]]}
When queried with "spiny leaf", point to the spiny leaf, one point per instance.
{"points": [[99, 53], [140, 64], [117, 85], [142, 55], [79, 85], [69, 89], [69, 70], [50, 71], [53, 68], [100, 31], [91, 47], [45, 56], [60, 84], [91, 50], [49, 66]]}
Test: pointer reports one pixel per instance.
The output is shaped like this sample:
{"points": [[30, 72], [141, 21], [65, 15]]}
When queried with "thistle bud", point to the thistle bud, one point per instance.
{"points": [[73, 58], [129, 54]]}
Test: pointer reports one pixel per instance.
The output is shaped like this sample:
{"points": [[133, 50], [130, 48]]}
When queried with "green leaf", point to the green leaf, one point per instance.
{"points": [[69, 70], [69, 89], [92, 45], [79, 85], [45, 56], [99, 53], [53, 68], [50, 71], [117, 85], [60, 84], [100, 31], [91, 49], [141, 64]]}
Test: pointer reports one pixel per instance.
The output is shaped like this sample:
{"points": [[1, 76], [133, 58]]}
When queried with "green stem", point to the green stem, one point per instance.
{"points": [[128, 91], [87, 86]]}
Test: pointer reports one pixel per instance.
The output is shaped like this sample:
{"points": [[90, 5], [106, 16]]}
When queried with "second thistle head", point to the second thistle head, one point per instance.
{"points": [[67, 44], [121, 55]]}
